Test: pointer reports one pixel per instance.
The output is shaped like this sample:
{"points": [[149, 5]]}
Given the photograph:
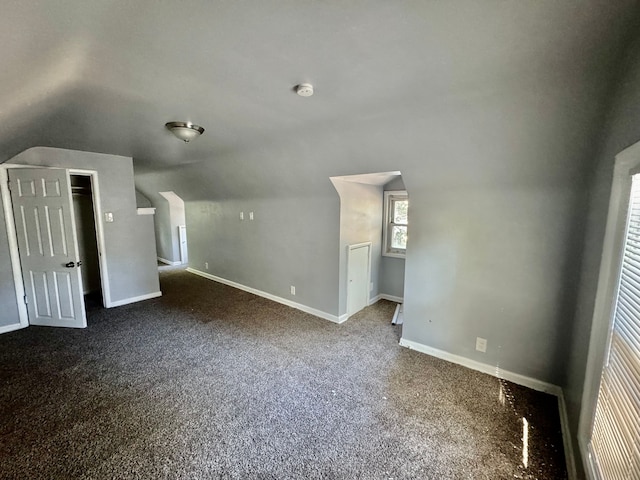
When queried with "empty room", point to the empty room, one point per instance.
{"points": [[320, 239]]}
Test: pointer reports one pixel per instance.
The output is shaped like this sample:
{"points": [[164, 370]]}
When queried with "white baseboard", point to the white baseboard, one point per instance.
{"points": [[391, 298], [269, 296], [515, 378], [127, 301], [12, 327], [384, 296], [168, 262], [484, 368], [373, 300]]}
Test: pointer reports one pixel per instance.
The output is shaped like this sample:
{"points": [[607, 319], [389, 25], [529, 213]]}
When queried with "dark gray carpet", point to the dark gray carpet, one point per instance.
{"points": [[211, 382]]}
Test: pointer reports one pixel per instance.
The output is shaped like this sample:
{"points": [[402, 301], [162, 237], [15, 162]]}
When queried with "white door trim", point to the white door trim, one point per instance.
{"points": [[350, 248], [13, 252], [97, 214], [66, 293], [13, 240]]}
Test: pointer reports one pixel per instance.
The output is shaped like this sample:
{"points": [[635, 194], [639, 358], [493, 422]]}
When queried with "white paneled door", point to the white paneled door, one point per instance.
{"points": [[358, 267], [43, 214]]}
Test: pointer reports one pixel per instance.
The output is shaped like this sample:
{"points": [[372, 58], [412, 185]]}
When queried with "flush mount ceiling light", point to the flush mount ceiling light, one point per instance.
{"points": [[185, 131], [304, 89]]}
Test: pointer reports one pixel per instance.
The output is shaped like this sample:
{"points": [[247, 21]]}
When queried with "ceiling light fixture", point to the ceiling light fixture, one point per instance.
{"points": [[185, 131], [304, 89]]}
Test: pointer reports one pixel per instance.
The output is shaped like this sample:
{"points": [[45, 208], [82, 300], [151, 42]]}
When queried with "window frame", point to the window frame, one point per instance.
{"points": [[627, 164], [391, 196]]}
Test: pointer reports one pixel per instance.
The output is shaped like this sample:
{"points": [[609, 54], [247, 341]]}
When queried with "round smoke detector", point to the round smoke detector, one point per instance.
{"points": [[304, 90]]}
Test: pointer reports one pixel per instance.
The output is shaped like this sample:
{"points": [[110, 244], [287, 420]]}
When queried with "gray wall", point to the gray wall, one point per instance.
{"points": [[8, 303], [391, 279], [142, 201], [360, 221], [493, 263], [282, 246], [392, 268], [622, 129], [129, 239], [492, 254]]}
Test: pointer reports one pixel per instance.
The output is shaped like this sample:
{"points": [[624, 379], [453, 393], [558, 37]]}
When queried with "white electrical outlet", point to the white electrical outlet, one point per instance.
{"points": [[481, 344], [293, 290], [206, 265], [241, 215], [250, 215], [108, 217], [370, 286]]}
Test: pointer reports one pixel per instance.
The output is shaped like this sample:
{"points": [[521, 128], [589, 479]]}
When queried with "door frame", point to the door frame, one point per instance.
{"points": [[13, 239], [97, 218], [13, 252], [349, 250]]}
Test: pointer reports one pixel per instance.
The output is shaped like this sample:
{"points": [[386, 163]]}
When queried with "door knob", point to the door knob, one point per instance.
{"points": [[70, 265]]}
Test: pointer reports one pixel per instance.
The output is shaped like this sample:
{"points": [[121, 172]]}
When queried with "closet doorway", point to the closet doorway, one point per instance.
{"points": [[86, 232]]}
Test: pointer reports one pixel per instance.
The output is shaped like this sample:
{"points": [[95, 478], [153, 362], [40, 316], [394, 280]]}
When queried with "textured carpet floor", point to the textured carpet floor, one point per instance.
{"points": [[211, 382]]}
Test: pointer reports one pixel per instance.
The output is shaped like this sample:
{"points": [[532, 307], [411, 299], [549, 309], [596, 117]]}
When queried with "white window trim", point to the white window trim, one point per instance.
{"points": [[388, 195], [627, 163]]}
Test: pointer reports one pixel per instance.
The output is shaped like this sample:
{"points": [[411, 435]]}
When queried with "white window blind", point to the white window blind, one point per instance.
{"points": [[615, 439]]}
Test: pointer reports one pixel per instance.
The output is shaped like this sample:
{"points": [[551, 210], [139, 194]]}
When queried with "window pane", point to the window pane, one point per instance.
{"points": [[400, 208], [398, 237]]}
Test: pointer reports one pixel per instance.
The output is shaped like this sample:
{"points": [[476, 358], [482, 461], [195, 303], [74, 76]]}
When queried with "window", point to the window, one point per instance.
{"points": [[396, 208], [616, 425], [609, 429]]}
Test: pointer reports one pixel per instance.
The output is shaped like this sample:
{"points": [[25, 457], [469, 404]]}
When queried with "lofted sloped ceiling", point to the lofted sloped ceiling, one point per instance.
{"points": [[462, 91]]}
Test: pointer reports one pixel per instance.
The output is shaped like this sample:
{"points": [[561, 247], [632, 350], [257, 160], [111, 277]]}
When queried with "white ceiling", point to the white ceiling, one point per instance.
{"points": [[393, 80]]}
